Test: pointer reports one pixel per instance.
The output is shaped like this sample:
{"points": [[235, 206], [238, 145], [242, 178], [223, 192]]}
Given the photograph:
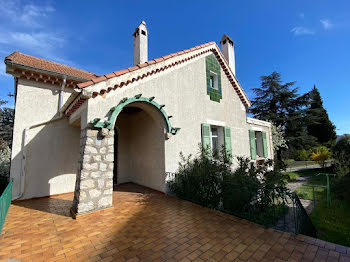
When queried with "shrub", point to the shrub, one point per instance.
{"points": [[301, 155], [342, 156], [321, 154], [248, 191], [5, 156]]}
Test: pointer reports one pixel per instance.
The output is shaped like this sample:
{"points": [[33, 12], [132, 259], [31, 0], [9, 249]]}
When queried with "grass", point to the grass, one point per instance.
{"points": [[333, 223]]}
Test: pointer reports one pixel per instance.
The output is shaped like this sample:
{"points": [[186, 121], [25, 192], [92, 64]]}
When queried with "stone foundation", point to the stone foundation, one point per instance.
{"points": [[94, 183]]}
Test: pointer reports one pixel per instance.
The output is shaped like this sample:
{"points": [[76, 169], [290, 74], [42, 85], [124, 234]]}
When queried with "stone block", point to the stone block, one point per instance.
{"points": [[105, 202], [109, 157], [110, 149], [85, 207], [103, 166], [90, 150], [108, 175], [97, 158], [96, 174], [100, 183], [94, 193], [88, 166], [103, 150], [109, 184], [108, 191], [86, 184]]}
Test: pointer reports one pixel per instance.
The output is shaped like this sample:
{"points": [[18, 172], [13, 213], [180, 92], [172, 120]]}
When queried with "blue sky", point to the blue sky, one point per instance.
{"points": [[306, 41]]}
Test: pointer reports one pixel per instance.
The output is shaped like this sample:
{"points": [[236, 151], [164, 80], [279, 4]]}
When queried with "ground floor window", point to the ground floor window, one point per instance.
{"points": [[215, 138], [258, 144]]}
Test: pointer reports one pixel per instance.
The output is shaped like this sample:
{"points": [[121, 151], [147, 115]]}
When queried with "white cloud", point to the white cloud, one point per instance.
{"points": [[25, 26], [300, 30], [327, 24], [22, 14]]}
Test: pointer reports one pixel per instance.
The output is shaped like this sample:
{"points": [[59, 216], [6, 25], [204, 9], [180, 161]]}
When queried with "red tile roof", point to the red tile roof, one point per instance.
{"points": [[216, 51], [43, 64]]}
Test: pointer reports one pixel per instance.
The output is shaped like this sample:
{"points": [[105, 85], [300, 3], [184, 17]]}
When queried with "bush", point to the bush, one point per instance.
{"points": [[5, 157], [301, 155], [342, 156], [255, 193], [321, 154]]}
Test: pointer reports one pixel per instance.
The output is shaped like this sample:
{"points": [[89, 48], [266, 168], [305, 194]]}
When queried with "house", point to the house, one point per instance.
{"points": [[78, 131]]}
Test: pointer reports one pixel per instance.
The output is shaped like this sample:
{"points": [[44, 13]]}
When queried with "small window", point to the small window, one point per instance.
{"points": [[259, 145], [213, 80], [143, 32]]}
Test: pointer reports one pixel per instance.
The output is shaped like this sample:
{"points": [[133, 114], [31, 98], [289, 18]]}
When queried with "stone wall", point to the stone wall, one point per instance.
{"points": [[94, 183]]}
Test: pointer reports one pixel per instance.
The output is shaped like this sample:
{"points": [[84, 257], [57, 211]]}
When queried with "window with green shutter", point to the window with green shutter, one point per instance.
{"points": [[213, 74], [252, 144], [228, 141], [206, 143]]}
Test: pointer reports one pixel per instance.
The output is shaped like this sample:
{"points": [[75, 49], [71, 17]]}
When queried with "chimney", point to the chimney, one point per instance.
{"points": [[140, 44], [228, 51]]}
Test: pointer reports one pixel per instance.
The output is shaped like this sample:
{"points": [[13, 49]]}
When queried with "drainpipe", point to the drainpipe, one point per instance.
{"points": [[60, 102], [24, 154]]}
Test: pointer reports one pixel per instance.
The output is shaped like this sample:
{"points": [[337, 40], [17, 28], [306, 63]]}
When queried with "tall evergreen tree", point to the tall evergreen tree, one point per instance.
{"points": [[280, 103], [317, 120]]}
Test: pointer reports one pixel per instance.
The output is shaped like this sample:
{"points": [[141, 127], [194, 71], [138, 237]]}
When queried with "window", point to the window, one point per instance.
{"points": [[215, 140], [215, 137], [259, 145], [213, 80]]}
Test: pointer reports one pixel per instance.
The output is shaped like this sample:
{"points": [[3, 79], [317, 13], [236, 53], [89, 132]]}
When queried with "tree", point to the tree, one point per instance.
{"points": [[6, 125], [317, 120], [280, 104]]}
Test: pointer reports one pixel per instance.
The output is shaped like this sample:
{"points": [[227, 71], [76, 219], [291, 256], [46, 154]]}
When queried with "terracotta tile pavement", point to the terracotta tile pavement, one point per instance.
{"points": [[148, 226]]}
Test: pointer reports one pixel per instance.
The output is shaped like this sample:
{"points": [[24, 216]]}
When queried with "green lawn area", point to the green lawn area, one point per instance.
{"points": [[332, 224]]}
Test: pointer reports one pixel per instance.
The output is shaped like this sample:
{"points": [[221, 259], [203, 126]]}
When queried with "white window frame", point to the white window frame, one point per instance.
{"points": [[215, 78]]}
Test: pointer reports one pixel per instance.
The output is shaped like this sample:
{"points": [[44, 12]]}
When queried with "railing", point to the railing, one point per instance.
{"points": [[5, 201]]}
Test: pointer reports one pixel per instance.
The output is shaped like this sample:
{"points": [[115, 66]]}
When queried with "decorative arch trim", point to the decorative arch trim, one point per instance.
{"points": [[115, 111]]}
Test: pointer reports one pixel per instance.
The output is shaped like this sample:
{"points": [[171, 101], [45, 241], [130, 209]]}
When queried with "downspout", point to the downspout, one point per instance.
{"points": [[24, 141], [60, 102]]}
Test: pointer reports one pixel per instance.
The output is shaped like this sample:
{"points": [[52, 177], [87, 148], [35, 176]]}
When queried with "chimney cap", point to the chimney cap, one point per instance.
{"points": [[226, 37], [141, 25]]}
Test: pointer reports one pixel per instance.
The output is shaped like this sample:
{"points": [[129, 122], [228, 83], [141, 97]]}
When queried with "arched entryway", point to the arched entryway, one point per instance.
{"points": [[135, 154], [139, 151]]}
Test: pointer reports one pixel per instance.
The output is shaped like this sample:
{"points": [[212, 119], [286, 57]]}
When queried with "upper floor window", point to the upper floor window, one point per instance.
{"points": [[213, 71]]}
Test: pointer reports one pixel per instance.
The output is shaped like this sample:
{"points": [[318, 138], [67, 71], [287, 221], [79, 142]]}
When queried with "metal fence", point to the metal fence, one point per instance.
{"points": [[5, 201], [285, 213], [302, 221]]}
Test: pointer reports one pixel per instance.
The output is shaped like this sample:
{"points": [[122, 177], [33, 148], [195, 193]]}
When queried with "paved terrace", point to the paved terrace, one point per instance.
{"points": [[148, 226]]}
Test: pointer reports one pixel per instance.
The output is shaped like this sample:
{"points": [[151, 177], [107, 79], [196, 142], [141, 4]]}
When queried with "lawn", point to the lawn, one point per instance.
{"points": [[333, 223]]}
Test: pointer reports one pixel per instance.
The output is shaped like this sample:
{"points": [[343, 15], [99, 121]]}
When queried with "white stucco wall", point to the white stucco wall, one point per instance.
{"points": [[52, 150], [183, 91]]}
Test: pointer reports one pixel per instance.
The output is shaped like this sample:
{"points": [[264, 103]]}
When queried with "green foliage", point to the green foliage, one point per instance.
{"points": [[333, 223], [278, 137], [302, 155], [5, 158], [341, 154], [317, 120], [321, 154], [256, 193]]}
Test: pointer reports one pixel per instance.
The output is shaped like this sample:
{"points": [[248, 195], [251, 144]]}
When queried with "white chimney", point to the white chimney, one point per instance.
{"points": [[228, 51], [140, 44]]}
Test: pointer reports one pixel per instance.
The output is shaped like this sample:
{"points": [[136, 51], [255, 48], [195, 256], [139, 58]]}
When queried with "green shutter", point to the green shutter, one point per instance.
{"points": [[265, 145], [252, 144], [206, 137], [228, 141]]}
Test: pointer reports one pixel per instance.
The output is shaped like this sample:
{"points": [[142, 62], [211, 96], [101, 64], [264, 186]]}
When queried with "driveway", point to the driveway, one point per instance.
{"points": [[145, 225]]}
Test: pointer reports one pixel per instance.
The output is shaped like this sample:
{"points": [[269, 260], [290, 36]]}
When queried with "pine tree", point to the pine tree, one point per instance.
{"points": [[280, 104], [317, 120]]}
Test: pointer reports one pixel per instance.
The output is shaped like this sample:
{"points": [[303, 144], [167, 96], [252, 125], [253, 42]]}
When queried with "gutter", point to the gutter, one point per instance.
{"points": [[24, 154]]}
